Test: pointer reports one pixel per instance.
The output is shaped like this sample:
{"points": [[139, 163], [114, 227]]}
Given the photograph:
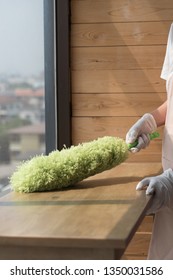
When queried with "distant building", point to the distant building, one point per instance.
{"points": [[26, 104], [9, 107], [33, 104], [2, 88], [26, 141]]}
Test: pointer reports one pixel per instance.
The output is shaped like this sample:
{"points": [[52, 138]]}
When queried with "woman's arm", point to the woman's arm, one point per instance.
{"points": [[160, 114]]}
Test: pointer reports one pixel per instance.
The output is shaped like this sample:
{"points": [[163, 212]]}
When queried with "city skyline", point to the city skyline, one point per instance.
{"points": [[22, 38]]}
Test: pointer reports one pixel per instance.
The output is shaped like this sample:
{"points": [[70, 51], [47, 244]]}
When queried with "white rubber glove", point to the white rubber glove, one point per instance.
{"points": [[140, 131], [161, 187]]}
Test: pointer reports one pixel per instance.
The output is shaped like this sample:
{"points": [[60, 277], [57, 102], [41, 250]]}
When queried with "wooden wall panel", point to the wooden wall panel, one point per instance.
{"points": [[138, 247], [117, 51], [115, 58], [91, 11], [120, 105], [89, 128], [117, 81], [119, 34]]}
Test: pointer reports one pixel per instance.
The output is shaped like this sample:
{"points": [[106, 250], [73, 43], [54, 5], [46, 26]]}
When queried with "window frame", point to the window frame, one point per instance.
{"points": [[57, 74]]}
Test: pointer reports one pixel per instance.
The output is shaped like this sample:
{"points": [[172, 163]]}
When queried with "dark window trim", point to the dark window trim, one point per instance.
{"points": [[57, 74]]}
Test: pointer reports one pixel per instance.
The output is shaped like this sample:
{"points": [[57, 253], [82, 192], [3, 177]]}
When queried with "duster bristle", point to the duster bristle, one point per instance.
{"points": [[71, 165]]}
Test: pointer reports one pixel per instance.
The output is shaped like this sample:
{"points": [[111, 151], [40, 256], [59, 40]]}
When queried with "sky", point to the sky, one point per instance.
{"points": [[21, 37]]}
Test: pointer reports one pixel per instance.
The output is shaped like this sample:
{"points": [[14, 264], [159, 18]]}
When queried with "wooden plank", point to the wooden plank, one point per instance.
{"points": [[139, 245], [115, 104], [120, 34], [117, 58], [146, 225], [120, 11], [89, 128], [122, 81]]}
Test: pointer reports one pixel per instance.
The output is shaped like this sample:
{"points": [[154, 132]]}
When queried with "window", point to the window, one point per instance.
{"points": [[22, 98], [34, 80]]}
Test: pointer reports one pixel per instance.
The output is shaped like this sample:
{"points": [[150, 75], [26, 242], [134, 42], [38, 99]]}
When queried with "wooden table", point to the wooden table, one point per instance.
{"points": [[96, 219]]}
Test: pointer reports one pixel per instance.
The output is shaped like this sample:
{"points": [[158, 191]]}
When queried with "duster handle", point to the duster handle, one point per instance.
{"points": [[152, 136]]}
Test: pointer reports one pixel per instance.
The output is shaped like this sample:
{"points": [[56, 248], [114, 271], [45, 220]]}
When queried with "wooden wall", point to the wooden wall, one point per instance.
{"points": [[117, 52]]}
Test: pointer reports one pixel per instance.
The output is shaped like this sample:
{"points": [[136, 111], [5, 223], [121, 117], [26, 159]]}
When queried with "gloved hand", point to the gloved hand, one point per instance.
{"points": [[140, 131], [161, 187]]}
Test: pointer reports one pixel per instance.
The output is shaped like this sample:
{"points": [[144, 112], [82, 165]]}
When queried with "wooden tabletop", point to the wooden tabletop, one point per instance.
{"points": [[103, 211]]}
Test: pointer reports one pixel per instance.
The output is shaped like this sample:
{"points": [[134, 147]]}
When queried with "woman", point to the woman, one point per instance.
{"points": [[161, 187]]}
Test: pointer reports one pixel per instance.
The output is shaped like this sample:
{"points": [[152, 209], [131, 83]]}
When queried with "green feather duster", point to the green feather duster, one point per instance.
{"points": [[70, 165]]}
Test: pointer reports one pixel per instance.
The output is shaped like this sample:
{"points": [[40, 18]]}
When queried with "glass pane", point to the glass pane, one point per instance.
{"points": [[22, 108]]}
